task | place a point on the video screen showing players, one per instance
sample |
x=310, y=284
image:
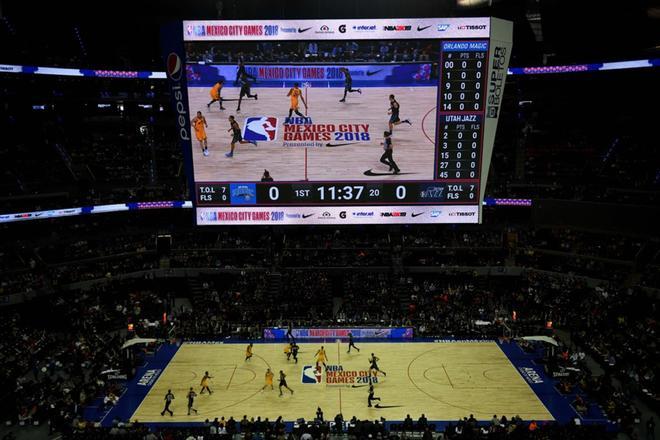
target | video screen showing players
x=313, y=110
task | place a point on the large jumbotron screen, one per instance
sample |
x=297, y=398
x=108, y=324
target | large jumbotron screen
x=339, y=121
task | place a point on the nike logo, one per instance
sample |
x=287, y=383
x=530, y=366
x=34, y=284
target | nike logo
x=378, y=405
x=338, y=145
x=369, y=73
x=372, y=173
x=358, y=386
x=420, y=29
x=303, y=30
x=307, y=215
x=417, y=214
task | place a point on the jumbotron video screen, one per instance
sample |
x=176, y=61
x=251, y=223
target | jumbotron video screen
x=338, y=121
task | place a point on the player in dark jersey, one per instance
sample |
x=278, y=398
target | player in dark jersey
x=373, y=360
x=191, y=400
x=236, y=136
x=245, y=91
x=387, y=158
x=351, y=343
x=294, y=351
x=348, y=84
x=240, y=72
x=371, y=397
x=283, y=383
x=394, y=114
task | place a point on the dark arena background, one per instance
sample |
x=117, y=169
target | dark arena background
x=329, y=220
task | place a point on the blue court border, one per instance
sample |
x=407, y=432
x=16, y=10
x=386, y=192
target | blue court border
x=541, y=384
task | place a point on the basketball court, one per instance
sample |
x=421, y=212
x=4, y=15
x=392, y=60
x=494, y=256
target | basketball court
x=352, y=148
x=443, y=380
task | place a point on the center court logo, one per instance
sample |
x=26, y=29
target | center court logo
x=260, y=128
x=312, y=374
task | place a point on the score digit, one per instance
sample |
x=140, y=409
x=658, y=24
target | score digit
x=273, y=193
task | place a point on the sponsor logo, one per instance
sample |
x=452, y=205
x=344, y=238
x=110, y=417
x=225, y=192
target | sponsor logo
x=174, y=69
x=363, y=214
x=208, y=216
x=373, y=72
x=307, y=215
x=342, y=214
x=432, y=192
x=342, y=28
x=393, y=214
x=530, y=375
x=325, y=29
x=293, y=215
x=365, y=28
x=312, y=374
x=149, y=377
x=243, y=193
x=421, y=28
x=417, y=214
x=435, y=214
x=326, y=216
x=443, y=27
x=289, y=30
x=301, y=30
x=472, y=27
x=462, y=214
x=397, y=28
x=496, y=82
x=338, y=145
x=260, y=128
x=174, y=66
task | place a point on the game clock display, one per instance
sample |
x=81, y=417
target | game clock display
x=326, y=142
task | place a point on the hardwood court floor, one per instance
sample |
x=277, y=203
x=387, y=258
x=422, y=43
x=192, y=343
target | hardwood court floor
x=414, y=148
x=445, y=381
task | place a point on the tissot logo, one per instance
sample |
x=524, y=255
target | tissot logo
x=462, y=214
x=472, y=27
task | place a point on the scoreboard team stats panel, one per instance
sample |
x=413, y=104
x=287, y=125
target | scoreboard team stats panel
x=376, y=121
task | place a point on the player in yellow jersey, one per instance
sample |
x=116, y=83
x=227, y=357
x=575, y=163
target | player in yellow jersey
x=269, y=380
x=321, y=357
x=216, y=94
x=294, y=94
x=205, y=383
x=287, y=351
x=248, y=352
x=200, y=125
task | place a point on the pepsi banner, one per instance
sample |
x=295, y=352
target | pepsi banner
x=332, y=333
x=269, y=75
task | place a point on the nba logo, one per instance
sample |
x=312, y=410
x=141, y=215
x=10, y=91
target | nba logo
x=260, y=128
x=312, y=374
x=209, y=216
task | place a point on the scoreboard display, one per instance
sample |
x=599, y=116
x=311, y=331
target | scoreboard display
x=338, y=139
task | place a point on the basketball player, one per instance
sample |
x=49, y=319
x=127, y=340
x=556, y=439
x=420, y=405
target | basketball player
x=240, y=72
x=394, y=114
x=321, y=357
x=371, y=396
x=387, y=158
x=215, y=93
x=294, y=351
x=248, y=352
x=169, y=397
x=283, y=383
x=351, y=343
x=295, y=93
x=373, y=360
x=289, y=332
x=348, y=84
x=236, y=136
x=287, y=351
x=205, y=383
x=245, y=91
x=199, y=124
x=191, y=400
x=269, y=380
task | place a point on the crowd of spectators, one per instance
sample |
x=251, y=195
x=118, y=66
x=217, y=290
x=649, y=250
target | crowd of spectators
x=315, y=51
